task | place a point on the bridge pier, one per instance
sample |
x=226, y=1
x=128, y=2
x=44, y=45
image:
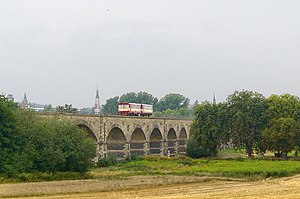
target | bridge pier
x=127, y=150
x=146, y=148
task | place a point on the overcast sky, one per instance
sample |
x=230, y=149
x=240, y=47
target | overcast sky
x=58, y=51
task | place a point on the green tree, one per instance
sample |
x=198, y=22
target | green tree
x=86, y=111
x=75, y=144
x=195, y=150
x=140, y=97
x=172, y=101
x=280, y=136
x=51, y=145
x=129, y=97
x=59, y=109
x=67, y=108
x=29, y=143
x=180, y=113
x=208, y=128
x=283, y=106
x=8, y=136
x=248, y=113
x=111, y=106
x=48, y=108
x=283, y=132
x=146, y=98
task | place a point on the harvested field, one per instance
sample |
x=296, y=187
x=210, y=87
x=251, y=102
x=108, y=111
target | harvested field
x=151, y=187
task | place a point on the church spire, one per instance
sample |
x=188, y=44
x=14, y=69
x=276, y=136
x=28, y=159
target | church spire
x=97, y=93
x=214, y=99
x=97, y=103
x=24, y=103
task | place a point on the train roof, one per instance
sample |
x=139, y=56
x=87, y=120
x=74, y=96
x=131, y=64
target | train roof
x=121, y=103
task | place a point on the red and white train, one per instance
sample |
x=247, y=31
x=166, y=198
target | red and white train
x=134, y=109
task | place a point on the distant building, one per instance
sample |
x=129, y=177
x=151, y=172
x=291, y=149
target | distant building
x=24, y=103
x=36, y=107
x=10, y=97
x=97, y=103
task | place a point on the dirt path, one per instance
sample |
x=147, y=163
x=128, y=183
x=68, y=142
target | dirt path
x=149, y=187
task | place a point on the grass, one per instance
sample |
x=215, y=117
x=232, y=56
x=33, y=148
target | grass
x=229, y=163
x=250, y=169
x=39, y=177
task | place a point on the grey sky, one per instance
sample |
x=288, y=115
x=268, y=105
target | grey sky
x=58, y=51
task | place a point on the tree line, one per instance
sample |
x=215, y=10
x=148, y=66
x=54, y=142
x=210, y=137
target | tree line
x=29, y=143
x=250, y=121
x=171, y=105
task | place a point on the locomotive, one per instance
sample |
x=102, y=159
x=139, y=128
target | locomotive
x=134, y=109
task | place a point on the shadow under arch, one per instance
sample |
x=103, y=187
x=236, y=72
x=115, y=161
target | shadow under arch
x=89, y=132
x=182, y=142
x=116, y=143
x=156, y=142
x=137, y=142
x=172, y=142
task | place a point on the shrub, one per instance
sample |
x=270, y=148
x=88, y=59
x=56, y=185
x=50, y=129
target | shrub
x=194, y=150
x=107, y=161
x=133, y=158
x=155, y=158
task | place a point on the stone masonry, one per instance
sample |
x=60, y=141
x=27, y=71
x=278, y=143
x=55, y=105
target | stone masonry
x=127, y=136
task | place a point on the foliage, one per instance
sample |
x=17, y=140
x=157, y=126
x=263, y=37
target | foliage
x=32, y=144
x=56, y=145
x=107, y=161
x=48, y=108
x=283, y=106
x=128, y=97
x=209, y=129
x=195, y=149
x=251, y=169
x=46, y=176
x=140, y=97
x=172, y=101
x=111, y=106
x=68, y=108
x=180, y=113
x=172, y=105
x=280, y=136
x=248, y=113
x=9, y=137
x=146, y=98
x=87, y=111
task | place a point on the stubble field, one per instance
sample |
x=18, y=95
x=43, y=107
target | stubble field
x=150, y=187
x=157, y=177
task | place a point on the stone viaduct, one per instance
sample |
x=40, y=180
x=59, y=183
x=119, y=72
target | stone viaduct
x=125, y=136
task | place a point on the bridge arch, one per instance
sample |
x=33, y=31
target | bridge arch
x=183, y=136
x=172, y=142
x=116, y=141
x=89, y=132
x=156, y=130
x=88, y=127
x=156, y=142
x=137, y=142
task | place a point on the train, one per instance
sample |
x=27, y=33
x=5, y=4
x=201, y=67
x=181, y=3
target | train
x=134, y=109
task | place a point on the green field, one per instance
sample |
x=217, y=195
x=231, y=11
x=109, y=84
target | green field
x=238, y=167
x=250, y=169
